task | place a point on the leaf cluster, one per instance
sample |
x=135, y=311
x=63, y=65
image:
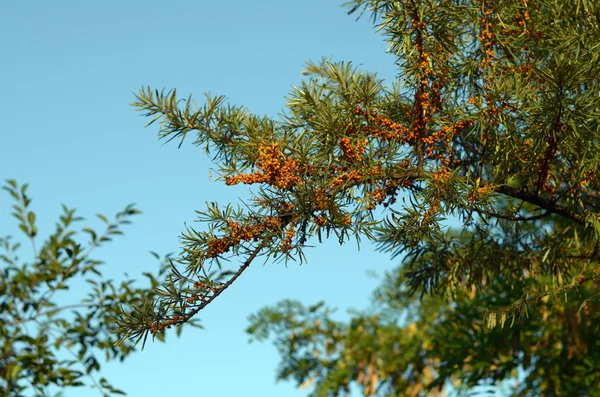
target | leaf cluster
x=49, y=339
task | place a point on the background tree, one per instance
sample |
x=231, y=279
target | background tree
x=49, y=341
x=408, y=345
x=493, y=120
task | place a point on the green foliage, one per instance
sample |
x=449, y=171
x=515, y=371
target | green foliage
x=492, y=120
x=46, y=345
x=413, y=345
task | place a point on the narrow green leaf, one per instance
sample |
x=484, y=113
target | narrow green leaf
x=102, y=218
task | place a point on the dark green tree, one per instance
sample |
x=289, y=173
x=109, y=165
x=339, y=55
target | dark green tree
x=51, y=340
x=493, y=120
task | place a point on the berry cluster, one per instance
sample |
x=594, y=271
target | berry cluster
x=352, y=153
x=383, y=128
x=238, y=233
x=205, y=290
x=173, y=320
x=441, y=176
x=347, y=177
x=486, y=38
x=320, y=201
x=445, y=136
x=385, y=195
x=286, y=243
x=477, y=194
x=274, y=168
x=525, y=24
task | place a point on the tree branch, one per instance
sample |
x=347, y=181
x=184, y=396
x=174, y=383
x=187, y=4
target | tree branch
x=242, y=268
x=416, y=173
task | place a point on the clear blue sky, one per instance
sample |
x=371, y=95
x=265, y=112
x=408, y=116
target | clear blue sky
x=68, y=73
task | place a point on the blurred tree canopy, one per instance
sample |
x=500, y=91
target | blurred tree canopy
x=493, y=120
x=50, y=341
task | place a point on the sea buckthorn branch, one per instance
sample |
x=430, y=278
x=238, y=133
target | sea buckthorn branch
x=154, y=317
x=421, y=96
x=519, y=308
x=194, y=302
x=341, y=131
x=423, y=59
x=548, y=255
x=237, y=230
x=533, y=198
x=232, y=130
x=437, y=144
x=274, y=168
x=206, y=296
x=513, y=215
x=183, y=296
x=489, y=37
x=522, y=24
x=486, y=39
x=383, y=128
x=349, y=179
x=521, y=193
x=270, y=170
x=407, y=176
x=281, y=171
x=551, y=150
